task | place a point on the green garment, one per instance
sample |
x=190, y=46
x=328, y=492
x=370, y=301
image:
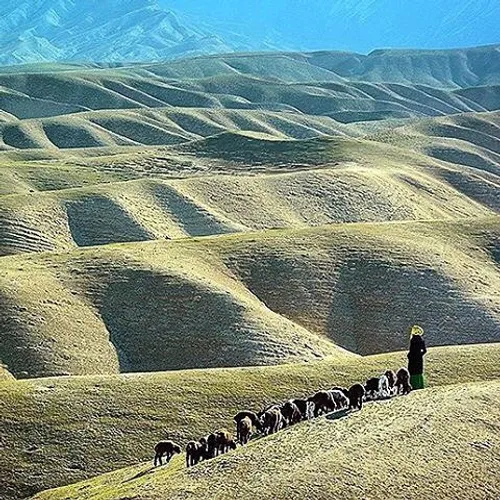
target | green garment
x=417, y=381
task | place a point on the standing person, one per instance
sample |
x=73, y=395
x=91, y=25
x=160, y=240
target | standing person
x=416, y=358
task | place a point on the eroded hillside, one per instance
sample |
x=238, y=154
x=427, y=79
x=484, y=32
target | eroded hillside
x=207, y=217
x=194, y=165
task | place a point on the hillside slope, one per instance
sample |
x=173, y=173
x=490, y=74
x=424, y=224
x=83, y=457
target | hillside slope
x=271, y=83
x=258, y=178
x=255, y=298
x=373, y=453
x=63, y=430
x=379, y=187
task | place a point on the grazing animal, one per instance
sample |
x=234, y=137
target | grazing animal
x=266, y=409
x=403, y=381
x=377, y=387
x=254, y=418
x=291, y=413
x=194, y=453
x=391, y=377
x=372, y=387
x=341, y=389
x=384, y=388
x=223, y=442
x=305, y=407
x=209, y=446
x=244, y=430
x=271, y=421
x=204, y=445
x=323, y=402
x=167, y=449
x=311, y=410
x=356, y=395
x=339, y=398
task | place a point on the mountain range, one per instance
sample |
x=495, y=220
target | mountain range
x=115, y=30
x=155, y=30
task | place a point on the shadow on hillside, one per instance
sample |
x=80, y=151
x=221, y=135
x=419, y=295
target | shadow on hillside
x=375, y=302
x=161, y=322
x=97, y=220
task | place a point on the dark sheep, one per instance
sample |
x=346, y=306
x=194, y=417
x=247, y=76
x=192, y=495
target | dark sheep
x=378, y=387
x=266, y=409
x=251, y=415
x=209, y=446
x=372, y=387
x=403, y=381
x=194, y=453
x=212, y=445
x=223, y=442
x=204, y=445
x=339, y=398
x=323, y=402
x=291, y=413
x=244, y=430
x=271, y=421
x=341, y=389
x=356, y=395
x=305, y=407
x=167, y=449
x=391, y=378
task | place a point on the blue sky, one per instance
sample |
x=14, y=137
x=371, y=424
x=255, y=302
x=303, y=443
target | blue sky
x=359, y=25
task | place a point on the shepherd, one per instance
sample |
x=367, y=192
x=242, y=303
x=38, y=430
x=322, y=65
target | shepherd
x=416, y=357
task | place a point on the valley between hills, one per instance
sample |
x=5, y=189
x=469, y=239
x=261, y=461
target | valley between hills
x=184, y=239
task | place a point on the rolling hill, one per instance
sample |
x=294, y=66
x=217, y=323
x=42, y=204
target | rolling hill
x=302, y=183
x=348, y=452
x=183, y=239
x=301, y=82
x=74, y=428
x=256, y=298
x=96, y=155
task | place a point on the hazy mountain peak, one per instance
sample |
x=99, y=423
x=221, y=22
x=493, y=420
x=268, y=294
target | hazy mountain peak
x=115, y=30
x=153, y=30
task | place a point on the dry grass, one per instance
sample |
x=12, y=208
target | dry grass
x=320, y=182
x=441, y=443
x=61, y=430
x=255, y=298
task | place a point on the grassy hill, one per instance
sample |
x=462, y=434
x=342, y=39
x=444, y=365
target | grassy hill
x=279, y=183
x=158, y=127
x=260, y=83
x=61, y=430
x=182, y=240
x=252, y=298
x=440, y=443
x=454, y=68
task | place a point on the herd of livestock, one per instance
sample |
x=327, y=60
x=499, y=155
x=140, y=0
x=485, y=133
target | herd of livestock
x=279, y=416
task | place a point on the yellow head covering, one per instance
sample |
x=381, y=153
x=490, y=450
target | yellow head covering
x=416, y=330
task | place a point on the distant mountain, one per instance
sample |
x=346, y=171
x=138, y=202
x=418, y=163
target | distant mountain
x=109, y=31
x=106, y=31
